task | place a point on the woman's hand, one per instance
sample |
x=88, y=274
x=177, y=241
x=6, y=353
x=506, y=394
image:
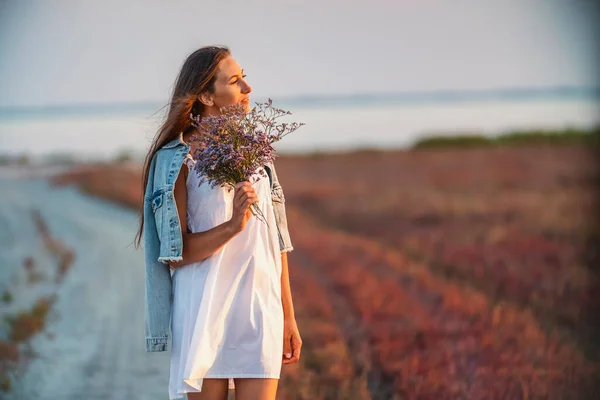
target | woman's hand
x=243, y=197
x=292, y=343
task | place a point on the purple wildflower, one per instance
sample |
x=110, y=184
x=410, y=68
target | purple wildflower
x=234, y=145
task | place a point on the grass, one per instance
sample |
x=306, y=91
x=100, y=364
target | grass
x=26, y=324
x=516, y=138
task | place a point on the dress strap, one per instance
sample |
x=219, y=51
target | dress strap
x=189, y=161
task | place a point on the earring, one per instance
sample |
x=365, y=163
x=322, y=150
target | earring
x=195, y=119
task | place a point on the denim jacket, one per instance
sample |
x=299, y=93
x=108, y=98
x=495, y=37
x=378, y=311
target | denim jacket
x=163, y=240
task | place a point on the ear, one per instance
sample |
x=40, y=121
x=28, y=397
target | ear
x=206, y=99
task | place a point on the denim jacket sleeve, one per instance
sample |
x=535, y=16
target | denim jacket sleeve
x=278, y=198
x=158, y=277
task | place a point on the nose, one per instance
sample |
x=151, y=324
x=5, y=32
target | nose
x=246, y=88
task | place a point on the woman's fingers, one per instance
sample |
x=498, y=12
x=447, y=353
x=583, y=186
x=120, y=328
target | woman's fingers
x=241, y=189
x=242, y=184
x=251, y=195
x=248, y=202
x=293, y=346
x=296, y=350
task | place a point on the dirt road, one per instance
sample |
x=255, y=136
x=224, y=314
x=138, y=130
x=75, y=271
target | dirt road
x=93, y=344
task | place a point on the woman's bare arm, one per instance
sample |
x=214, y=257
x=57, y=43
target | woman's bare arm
x=199, y=245
x=286, y=291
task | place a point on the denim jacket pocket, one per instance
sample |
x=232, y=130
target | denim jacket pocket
x=157, y=202
x=285, y=243
x=277, y=193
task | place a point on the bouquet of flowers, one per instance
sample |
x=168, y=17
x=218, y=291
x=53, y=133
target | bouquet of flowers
x=234, y=145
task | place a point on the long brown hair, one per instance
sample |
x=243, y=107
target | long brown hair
x=197, y=75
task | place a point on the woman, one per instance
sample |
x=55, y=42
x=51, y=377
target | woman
x=231, y=315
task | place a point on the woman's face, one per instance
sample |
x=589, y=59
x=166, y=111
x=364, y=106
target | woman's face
x=231, y=88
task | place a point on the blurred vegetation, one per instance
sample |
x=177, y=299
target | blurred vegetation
x=124, y=156
x=60, y=158
x=516, y=138
x=19, y=159
x=26, y=324
x=7, y=296
x=21, y=327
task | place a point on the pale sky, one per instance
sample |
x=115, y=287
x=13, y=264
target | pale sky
x=66, y=52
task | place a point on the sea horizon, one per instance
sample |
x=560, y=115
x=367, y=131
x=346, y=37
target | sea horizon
x=412, y=98
x=340, y=123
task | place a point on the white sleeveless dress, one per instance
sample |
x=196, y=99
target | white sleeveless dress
x=227, y=315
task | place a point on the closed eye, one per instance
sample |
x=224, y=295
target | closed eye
x=243, y=76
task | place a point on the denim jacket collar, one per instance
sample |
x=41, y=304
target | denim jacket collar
x=175, y=142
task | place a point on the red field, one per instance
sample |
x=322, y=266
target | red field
x=448, y=274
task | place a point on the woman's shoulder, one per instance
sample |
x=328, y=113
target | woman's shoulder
x=188, y=165
x=189, y=161
x=165, y=155
x=167, y=163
